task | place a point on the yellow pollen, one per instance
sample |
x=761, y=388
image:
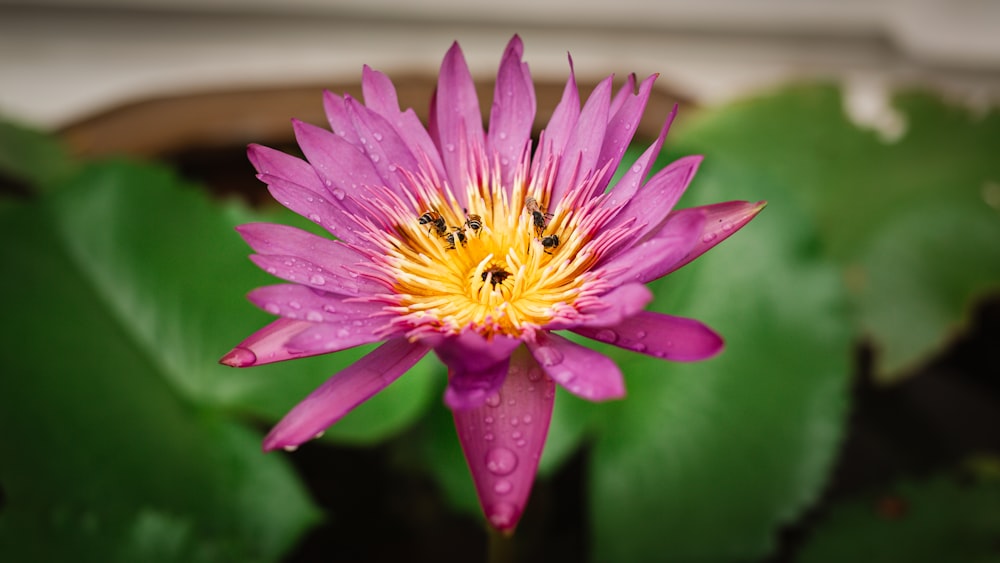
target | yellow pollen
x=493, y=267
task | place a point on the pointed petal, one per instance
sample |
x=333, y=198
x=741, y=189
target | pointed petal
x=385, y=149
x=380, y=96
x=721, y=221
x=458, y=121
x=584, y=145
x=656, y=257
x=622, y=94
x=663, y=336
x=622, y=126
x=476, y=367
x=302, y=257
x=339, y=164
x=634, y=177
x=503, y=440
x=273, y=163
x=267, y=345
x=513, y=111
x=581, y=371
x=654, y=201
x=553, y=140
x=317, y=208
x=344, y=391
x=323, y=338
x=294, y=301
x=337, y=117
x=618, y=304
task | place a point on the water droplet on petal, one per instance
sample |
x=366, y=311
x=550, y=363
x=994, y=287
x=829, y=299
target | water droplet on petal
x=493, y=400
x=727, y=226
x=315, y=218
x=318, y=435
x=502, y=487
x=548, y=356
x=295, y=304
x=272, y=308
x=488, y=420
x=502, y=514
x=310, y=199
x=606, y=335
x=378, y=136
x=392, y=168
x=709, y=237
x=449, y=147
x=343, y=333
x=516, y=435
x=503, y=135
x=329, y=308
x=488, y=437
x=291, y=448
x=640, y=347
x=272, y=270
x=339, y=194
x=514, y=422
x=317, y=279
x=314, y=316
x=640, y=334
x=534, y=374
x=526, y=419
x=375, y=158
x=501, y=461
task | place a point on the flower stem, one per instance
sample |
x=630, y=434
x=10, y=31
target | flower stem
x=501, y=548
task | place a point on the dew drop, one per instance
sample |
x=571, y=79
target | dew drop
x=727, y=226
x=488, y=437
x=534, y=374
x=314, y=316
x=329, y=308
x=709, y=237
x=363, y=140
x=315, y=218
x=392, y=168
x=291, y=448
x=339, y=194
x=514, y=422
x=606, y=335
x=640, y=334
x=493, y=400
x=272, y=270
x=636, y=169
x=526, y=419
x=450, y=147
x=310, y=199
x=501, y=461
x=640, y=347
x=378, y=136
x=521, y=443
x=502, y=514
x=548, y=356
x=516, y=435
x=488, y=420
x=375, y=158
x=343, y=333
x=318, y=435
x=272, y=308
x=502, y=487
x=317, y=279
x=503, y=135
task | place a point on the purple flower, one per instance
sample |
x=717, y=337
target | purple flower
x=480, y=246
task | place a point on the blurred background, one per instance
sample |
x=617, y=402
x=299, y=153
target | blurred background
x=854, y=415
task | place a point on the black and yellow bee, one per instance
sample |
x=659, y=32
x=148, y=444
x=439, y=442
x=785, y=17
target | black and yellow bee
x=550, y=243
x=436, y=222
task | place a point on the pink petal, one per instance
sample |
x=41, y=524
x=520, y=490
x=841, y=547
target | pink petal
x=316, y=207
x=384, y=147
x=663, y=336
x=503, y=440
x=476, y=367
x=344, y=391
x=618, y=304
x=583, y=148
x=654, y=201
x=267, y=345
x=629, y=183
x=721, y=221
x=553, y=140
x=343, y=168
x=273, y=163
x=337, y=117
x=581, y=371
x=656, y=257
x=622, y=126
x=380, y=96
x=294, y=301
x=458, y=123
x=302, y=257
x=622, y=94
x=513, y=111
x=323, y=338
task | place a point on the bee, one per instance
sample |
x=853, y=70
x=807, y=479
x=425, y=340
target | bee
x=435, y=220
x=474, y=222
x=550, y=243
x=455, y=236
x=539, y=219
x=498, y=273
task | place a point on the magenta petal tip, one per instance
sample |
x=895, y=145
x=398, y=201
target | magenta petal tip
x=239, y=357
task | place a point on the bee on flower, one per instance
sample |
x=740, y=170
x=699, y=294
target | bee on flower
x=494, y=309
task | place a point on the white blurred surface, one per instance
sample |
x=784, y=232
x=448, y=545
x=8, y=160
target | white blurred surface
x=61, y=60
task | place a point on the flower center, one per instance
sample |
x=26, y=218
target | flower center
x=495, y=266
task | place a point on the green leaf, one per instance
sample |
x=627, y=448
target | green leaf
x=100, y=458
x=32, y=157
x=165, y=261
x=932, y=520
x=936, y=260
x=704, y=461
x=854, y=186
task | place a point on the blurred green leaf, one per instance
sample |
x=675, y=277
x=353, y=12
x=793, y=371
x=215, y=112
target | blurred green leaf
x=938, y=519
x=704, y=461
x=166, y=262
x=100, y=459
x=32, y=157
x=854, y=186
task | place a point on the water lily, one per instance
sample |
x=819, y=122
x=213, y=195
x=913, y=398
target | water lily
x=482, y=246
